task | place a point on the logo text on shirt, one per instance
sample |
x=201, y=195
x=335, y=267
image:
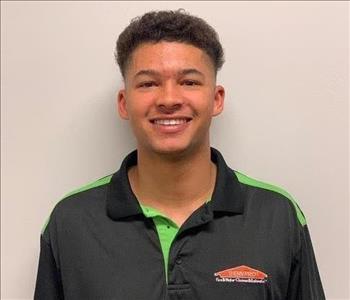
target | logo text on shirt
x=241, y=274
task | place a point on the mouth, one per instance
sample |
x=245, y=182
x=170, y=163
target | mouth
x=170, y=122
x=173, y=125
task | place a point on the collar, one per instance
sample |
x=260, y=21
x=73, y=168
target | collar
x=122, y=202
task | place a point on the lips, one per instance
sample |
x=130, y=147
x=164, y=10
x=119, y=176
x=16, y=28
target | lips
x=170, y=125
x=170, y=121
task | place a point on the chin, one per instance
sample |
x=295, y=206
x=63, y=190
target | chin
x=170, y=150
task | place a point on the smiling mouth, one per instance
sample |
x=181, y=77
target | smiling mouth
x=171, y=122
x=170, y=126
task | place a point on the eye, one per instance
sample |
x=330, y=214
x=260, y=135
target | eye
x=189, y=82
x=147, y=84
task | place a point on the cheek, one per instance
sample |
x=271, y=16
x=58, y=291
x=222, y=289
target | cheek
x=139, y=106
x=206, y=105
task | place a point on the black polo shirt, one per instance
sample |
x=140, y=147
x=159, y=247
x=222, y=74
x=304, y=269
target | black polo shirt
x=250, y=241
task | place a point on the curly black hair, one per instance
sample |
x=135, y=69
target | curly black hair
x=171, y=26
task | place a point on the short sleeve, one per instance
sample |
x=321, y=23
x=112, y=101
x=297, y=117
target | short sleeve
x=305, y=282
x=48, y=283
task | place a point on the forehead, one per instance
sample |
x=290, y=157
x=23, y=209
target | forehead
x=169, y=57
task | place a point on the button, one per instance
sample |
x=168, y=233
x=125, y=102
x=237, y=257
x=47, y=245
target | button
x=178, y=260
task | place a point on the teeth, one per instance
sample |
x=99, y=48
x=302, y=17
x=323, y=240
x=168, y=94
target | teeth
x=170, y=122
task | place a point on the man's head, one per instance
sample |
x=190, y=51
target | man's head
x=171, y=26
x=170, y=93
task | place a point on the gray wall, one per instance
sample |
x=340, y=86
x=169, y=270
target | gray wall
x=285, y=119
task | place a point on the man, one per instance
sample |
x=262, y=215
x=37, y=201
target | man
x=175, y=222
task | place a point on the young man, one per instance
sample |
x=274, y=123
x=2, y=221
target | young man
x=175, y=222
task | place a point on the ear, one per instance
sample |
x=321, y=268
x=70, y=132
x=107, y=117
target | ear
x=219, y=97
x=122, y=106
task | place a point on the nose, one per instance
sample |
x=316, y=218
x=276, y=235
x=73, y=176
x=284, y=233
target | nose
x=169, y=98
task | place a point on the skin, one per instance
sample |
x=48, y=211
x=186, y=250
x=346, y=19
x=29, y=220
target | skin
x=174, y=173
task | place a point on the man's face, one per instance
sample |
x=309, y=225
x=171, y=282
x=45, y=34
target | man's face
x=170, y=97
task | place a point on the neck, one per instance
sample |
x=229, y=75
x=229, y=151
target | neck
x=168, y=183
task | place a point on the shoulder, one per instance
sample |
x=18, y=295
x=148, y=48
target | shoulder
x=269, y=196
x=88, y=197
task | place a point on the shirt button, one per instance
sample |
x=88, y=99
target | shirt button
x=178, y=260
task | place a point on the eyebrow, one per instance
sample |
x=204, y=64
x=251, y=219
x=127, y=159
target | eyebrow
x=155, y=73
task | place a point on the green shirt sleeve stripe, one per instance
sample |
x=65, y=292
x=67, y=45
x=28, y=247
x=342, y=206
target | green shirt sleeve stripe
x=253, y=182
x=99, y=182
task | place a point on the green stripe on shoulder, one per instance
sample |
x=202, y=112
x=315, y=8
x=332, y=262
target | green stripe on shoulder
x=99, y=182
x=253, y=182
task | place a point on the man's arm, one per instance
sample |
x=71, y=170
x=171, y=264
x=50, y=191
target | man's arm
x=48, y=283
x=305, y=282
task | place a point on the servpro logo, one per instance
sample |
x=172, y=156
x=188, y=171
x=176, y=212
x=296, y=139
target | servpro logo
x=241, y=274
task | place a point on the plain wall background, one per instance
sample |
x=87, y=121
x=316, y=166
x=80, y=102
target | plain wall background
x=285, y=119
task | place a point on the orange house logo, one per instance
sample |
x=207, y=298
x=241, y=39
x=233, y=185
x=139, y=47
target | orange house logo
x=241, y=274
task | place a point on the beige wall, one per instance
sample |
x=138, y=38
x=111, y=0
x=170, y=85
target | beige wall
x=285, y=119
